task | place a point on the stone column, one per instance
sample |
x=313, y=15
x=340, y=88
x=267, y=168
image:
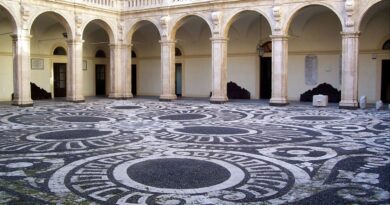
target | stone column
x=116, y=72
x=74, y=71
x=349, y=74
x=21, y=70
x=167, y=70
x=219, y=70
x=279, y=70
x=126, y=70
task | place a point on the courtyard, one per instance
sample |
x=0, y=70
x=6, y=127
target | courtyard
x=142, y=151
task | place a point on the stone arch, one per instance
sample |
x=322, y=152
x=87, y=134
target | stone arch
x=233, y=17
x=366, y=8
x=104, y=25
x=182, y=19
x=11, y=17
x=138, y=24
x=59, y=17
x=295, y=11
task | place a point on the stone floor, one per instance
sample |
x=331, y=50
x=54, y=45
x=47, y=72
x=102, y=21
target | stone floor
x=142, y=151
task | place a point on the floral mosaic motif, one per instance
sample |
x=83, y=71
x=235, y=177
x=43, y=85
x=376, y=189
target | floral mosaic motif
x=143, y=151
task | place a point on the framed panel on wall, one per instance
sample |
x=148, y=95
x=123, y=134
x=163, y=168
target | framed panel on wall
x=37, y=64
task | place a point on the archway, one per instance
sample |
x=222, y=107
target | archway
x=146, y=70
x=96, y=71
x=7, y=28
x=193, y=35
x=374, y=58
x=314, y=60
x=49, y=70
x=247, y=61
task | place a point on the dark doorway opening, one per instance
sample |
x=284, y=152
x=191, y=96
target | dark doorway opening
x=59, y=79
x=134, y=79
x=100, y=79
x=385, y=88
x=178, y=79
x=265, y=77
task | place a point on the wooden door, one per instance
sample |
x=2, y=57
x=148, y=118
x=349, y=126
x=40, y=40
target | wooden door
x=59, y=79
x=100, y=79
x=265, y=77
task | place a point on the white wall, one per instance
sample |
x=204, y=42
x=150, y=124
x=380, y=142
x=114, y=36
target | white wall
x=149, y=75
x=244, y=71
x=197, y=77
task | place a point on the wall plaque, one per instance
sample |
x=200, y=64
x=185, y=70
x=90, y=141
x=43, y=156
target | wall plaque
x=37, y=64
x=311, y=70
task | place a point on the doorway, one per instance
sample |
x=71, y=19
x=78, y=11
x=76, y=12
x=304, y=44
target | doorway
x=178, y=79
x=59, y=79
x=100, y=79
x=265, y=77
x=134, y=79
x=385, y=85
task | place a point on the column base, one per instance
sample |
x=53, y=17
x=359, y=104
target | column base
x=167, y=98
x=75, y=99
x=21, y=103
x=349, y=104
x=128, y=96
x=218, y=100
x=115, y=96
x=278, y=102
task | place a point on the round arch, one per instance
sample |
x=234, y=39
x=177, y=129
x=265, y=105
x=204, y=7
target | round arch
x=366, y=8
x=181, y=20
x=138, y=24
x=104, y=25
x=233, y=17
x=11, y=17
x=293, y=13
x=59, y=17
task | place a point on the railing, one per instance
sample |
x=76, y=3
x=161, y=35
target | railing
x=133, y=4
x=144, y=4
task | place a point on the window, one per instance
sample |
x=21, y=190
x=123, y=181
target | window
x=100, y=54
x=59, y=51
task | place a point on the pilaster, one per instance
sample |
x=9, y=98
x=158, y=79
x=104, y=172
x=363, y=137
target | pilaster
x=219, y=70
x=279, y=70
x=167, y=70
x=21, y=70
x=74, y=73
x=349, y=74
x=116, y=72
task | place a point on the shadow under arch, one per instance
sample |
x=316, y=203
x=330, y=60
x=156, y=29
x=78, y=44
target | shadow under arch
x=57, y=17
x=184, y=19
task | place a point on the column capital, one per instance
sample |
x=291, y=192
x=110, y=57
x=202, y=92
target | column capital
x=165, y=41
x=349, y=34
x=219, y=39
x=279, y=37
x=74, y=41
x=17, y=37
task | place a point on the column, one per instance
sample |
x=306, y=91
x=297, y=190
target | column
x=279, y=70
x=219, y=70
x=116, y=72
x=167, y=70
x=21, y=70
x=349, y=74
x=126, y=70
x=74, y=73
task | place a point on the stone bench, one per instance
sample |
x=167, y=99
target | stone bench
x=320, y=100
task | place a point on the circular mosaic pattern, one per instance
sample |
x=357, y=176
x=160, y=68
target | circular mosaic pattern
x=62, y=118
x=126, y=107
x=309, y=117
x=185, y=175
x=63, y=141
x=240, y=177
x=212, y=130
x=299, y=153
x=251, y=134
x=82, y=119
x=184, y=117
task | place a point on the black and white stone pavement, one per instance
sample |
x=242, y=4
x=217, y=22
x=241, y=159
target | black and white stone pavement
x=143, y=151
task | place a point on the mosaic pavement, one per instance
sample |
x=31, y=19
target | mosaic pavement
x=143, y=151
